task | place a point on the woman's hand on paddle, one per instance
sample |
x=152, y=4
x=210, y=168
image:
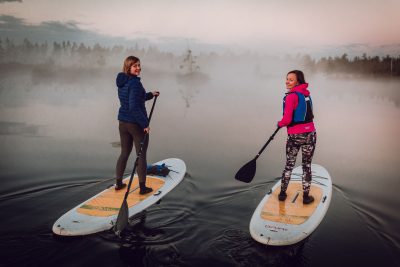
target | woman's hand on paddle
x=155, y=93
x=146, y=130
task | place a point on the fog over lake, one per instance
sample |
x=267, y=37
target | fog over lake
x=59, y=145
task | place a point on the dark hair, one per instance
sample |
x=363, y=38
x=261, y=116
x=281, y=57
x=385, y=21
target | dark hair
x=299, y=76
x=129, y=61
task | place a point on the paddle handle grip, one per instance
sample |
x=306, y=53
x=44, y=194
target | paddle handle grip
x=266, y=144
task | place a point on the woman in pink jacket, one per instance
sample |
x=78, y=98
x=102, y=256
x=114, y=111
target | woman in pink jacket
x=298, y=118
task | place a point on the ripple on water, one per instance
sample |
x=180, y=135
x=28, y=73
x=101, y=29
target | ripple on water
x=239, y=249
x=375, y=214
x=145, y=255
x=141, y=245
x=156, y=226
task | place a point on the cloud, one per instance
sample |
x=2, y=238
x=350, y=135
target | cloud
x=4, y=1
x=18, y=29
x=4, y=19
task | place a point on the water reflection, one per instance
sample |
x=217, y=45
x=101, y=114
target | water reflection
x=190, y=84
x=18, y=128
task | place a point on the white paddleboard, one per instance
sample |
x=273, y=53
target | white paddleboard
x=100, y=212
x=280, y=223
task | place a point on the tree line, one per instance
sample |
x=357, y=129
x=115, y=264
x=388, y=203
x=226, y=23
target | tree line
x=73, y=54
x=78, y=54
x=359, y=65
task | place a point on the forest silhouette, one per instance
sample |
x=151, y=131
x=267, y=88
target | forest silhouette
x=72, y=56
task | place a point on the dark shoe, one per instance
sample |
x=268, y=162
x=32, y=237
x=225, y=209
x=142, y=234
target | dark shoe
x=282, y=196
x=119, y=185
x=307, y=199
x=145, y=190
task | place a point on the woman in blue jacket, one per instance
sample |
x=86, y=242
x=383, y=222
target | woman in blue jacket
x=133, y=120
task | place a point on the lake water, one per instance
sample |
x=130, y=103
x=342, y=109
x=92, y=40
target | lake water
x=56, y=150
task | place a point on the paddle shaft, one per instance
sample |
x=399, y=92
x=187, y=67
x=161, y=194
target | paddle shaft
x=266, y=144
x=140, y=152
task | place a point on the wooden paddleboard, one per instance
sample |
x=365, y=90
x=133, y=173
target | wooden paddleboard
x=100, y=212
x=279, y=223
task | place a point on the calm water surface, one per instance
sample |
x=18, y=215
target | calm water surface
x=56, y=150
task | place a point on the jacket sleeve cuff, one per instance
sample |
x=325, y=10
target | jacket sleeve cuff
x=149, y=96
x=280, y=124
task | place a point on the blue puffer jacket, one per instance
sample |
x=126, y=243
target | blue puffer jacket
x=132, y=97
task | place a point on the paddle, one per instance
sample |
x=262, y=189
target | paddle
x=123, y=214
x=247, y=172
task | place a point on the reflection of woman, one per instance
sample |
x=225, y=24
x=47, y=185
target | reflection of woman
x=298, y=117
x=133, y=120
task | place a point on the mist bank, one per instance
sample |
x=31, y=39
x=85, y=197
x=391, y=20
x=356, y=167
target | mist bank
x=70, y=57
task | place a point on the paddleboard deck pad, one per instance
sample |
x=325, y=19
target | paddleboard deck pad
x=100, y=212
x=280, y=223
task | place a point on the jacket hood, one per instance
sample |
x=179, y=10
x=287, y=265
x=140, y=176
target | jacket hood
x=302, y=88
x=122, y=79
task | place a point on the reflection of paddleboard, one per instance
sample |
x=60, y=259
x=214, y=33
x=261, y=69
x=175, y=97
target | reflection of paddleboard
x=279, y=223
x=100, y=212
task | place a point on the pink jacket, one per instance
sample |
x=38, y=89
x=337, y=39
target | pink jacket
x=290, y=105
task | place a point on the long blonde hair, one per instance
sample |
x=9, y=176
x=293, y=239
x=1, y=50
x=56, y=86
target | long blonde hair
x=129, y=61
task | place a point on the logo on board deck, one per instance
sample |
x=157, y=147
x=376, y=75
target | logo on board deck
x=275, y=228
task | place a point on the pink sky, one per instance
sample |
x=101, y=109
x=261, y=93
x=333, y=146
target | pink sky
x=252, y=23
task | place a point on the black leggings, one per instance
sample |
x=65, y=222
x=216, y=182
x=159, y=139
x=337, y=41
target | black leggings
x=132, y=133
x=307, y=142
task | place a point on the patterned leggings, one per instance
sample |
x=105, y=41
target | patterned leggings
x=305, y=141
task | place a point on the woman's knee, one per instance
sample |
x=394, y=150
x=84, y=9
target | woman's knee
x=124, y=156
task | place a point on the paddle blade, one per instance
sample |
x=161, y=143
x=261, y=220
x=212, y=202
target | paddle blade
x=247, y=172
x=122, y=219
